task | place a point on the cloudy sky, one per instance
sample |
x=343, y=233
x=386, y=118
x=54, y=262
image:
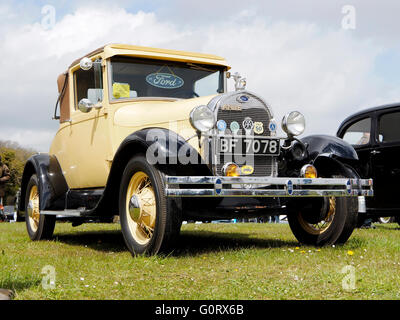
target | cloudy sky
x=308, y=55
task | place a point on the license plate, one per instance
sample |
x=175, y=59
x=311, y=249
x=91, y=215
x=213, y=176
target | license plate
x=255, y=146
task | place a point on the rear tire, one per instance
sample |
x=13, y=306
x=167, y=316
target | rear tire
x=150, y=222
x=39, y=226
x=385, y=220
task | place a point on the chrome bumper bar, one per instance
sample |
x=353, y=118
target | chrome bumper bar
x=267, y=187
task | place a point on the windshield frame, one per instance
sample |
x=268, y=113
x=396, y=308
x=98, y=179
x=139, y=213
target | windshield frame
x=112, y=100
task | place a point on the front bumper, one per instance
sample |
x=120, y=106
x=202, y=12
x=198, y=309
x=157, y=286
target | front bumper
x=266, y=187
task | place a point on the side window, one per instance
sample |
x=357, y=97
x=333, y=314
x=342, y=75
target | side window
x=89, y=84
x=389, y=128
x=359, y=133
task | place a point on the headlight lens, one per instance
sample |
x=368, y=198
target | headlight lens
x=294, y=123
x=202, y=119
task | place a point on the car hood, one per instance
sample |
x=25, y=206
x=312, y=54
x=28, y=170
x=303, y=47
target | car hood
x=151, y=113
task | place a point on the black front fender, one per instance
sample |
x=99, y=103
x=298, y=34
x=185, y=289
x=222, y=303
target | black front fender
x=53, y=187
x=166, y=146
x=329, y=146
x=162, y=146
x=331, y=155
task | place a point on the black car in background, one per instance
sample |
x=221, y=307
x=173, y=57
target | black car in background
x=375, y=135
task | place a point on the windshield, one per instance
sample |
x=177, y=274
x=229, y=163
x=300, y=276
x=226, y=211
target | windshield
x=136, y=78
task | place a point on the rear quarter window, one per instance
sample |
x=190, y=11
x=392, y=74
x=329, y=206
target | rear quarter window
x=389, y=127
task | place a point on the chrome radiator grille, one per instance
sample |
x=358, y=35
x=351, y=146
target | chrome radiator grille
x=263, y=165
x=256, y=114
x=236, y=107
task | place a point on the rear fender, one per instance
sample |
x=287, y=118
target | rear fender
x=53, y=187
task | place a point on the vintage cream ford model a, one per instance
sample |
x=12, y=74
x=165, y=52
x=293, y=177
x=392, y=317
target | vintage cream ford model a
x=153, y=136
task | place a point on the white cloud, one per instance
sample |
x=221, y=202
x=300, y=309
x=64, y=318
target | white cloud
x=36, y=139
x=326, y=74
x=32, y=58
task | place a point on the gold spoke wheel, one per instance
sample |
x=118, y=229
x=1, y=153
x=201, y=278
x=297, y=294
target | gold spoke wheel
x=385, y=219
x=33, y=208
x=142, y=219
x=322, y=226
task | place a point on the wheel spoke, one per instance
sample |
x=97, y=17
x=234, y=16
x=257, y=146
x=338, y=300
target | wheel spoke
x=323, y=225
x=34, y=214
x=142, y=227
x=146, y=230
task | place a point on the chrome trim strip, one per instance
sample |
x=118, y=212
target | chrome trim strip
x=64, y=213
x=287, y=187
x=265, y=193
x=267, y=181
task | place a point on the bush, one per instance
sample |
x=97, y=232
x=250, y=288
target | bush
x=15, y=157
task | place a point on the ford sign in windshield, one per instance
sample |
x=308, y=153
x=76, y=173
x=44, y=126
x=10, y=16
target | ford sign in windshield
x=135, y=78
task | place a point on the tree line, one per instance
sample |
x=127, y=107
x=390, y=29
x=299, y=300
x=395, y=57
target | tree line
x=15, y=157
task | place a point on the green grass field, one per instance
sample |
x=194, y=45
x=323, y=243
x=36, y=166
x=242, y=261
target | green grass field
x=213, y=261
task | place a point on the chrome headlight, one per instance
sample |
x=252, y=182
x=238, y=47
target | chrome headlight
x=294, y=123
x=202, y=119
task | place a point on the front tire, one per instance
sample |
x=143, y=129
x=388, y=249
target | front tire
x=335, y=227
x=39, y=226
x=150, y=222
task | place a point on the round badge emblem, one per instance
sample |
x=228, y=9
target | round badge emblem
x=221, y=125
x=248, y=124
x=258, y=128
x=243, y=99
x=272, y=126
x=247, y=170
x=235, y=127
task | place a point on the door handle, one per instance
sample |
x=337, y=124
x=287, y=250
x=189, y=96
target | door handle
x=375, y=152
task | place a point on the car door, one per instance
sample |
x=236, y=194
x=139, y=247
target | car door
x=89, y=143
x=359, y=132
x=385, y=159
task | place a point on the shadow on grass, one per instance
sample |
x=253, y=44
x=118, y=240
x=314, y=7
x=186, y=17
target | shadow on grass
x=190, y=243
x=19, y=283
x=106, y=241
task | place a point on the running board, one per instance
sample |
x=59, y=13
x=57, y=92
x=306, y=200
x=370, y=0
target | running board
x=65, y=213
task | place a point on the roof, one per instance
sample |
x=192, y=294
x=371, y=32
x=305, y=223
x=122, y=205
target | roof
x=370, y=110
x=155, y=53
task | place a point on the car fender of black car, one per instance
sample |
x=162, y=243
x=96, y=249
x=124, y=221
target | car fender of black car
x=331, y=155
